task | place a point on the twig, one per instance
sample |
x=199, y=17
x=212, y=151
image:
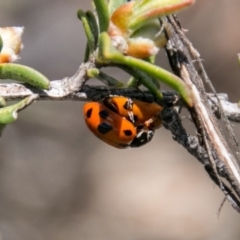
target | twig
x=172, y=122
x=207, y=125
x=18, y=91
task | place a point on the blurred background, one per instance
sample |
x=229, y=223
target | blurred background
x=58, y=181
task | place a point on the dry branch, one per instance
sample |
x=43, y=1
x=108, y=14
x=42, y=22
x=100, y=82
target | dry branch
x=222, y=162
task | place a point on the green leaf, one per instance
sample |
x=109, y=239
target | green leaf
x=10, y=113
x=146, y=10
x=88, y=31
x=106, y=79
x=103, y=14
x=94, y=26
x=24, y=74
x=2, y=102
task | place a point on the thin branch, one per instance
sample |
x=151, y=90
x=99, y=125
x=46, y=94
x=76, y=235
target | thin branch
x=58, y=91
x=210, y=133
x=232, y=110
x=17, y=91
x=172, y=122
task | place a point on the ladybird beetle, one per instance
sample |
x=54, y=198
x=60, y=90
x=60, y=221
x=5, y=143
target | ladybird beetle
x=108, y=125
x=136, y=111
x=122, y=122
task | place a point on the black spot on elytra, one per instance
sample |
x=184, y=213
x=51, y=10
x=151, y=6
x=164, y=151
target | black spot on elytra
x=103, y=114
x=89, y=113
x=104, y=128
x=128, y=132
